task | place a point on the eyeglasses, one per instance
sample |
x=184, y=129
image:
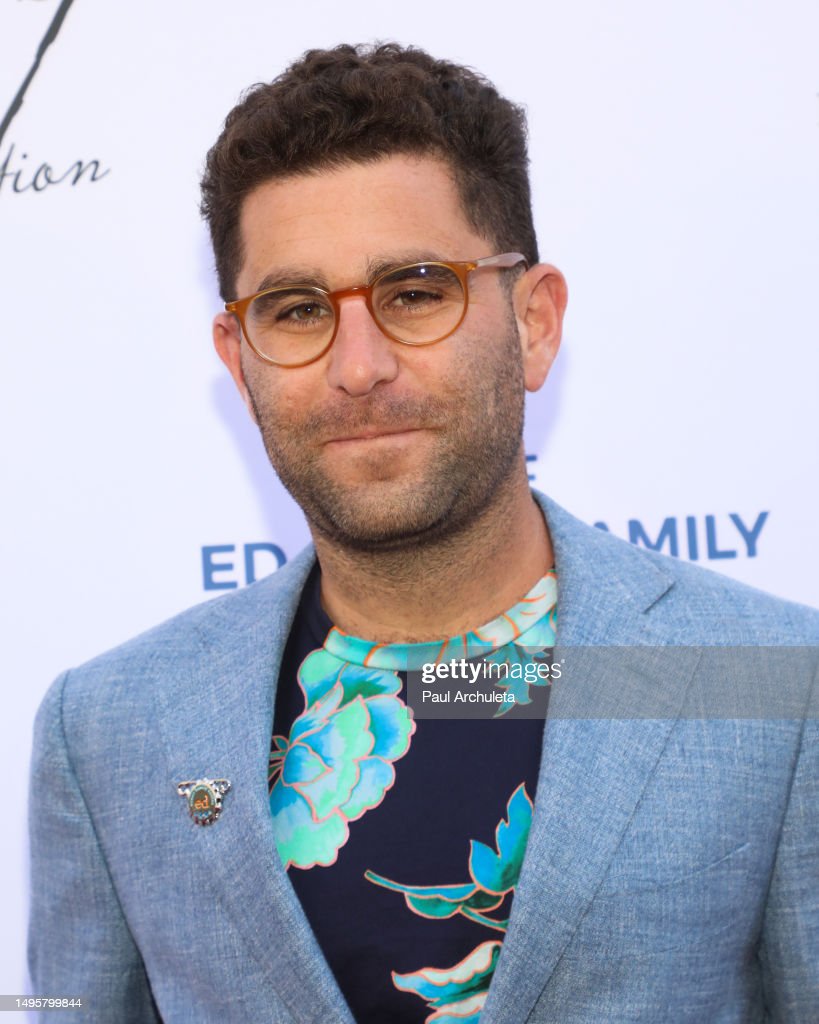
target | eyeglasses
x=417, y=304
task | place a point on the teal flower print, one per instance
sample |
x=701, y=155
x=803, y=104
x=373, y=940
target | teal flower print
x=535, y=627
x=493, y=873
x=337, y=762
x=458, y=993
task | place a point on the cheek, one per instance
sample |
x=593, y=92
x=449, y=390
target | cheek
x=490, y=352
x=276, y=394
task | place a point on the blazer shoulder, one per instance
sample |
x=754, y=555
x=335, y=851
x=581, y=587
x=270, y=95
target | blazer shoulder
x=712, y=608
x=682, y=603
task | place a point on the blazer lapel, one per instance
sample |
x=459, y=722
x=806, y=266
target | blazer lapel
x=598, y=753
x=216, y=722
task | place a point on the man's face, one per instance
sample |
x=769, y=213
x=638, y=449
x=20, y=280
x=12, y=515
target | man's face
x=381, y=444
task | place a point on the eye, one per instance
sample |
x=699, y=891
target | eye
x=414, y=297
x=289, y=309
x=304, y=312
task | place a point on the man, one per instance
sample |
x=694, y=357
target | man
x=237, y=816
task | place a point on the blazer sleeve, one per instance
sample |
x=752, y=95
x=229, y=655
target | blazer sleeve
x=79, y=941
x=789, y=949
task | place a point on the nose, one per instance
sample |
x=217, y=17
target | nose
x=361, y=356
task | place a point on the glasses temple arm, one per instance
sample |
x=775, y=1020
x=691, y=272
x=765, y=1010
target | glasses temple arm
x=505, y=259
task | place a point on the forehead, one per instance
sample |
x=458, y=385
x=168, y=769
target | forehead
x=333, y=223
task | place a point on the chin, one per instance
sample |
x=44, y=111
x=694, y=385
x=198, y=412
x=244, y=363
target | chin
x=384, y=520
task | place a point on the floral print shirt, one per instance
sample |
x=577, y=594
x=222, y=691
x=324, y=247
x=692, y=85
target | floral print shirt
x=404, y=838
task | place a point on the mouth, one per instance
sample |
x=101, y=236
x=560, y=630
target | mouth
x=375, y=434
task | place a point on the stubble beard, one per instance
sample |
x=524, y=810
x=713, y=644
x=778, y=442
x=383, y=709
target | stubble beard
x=476, y=440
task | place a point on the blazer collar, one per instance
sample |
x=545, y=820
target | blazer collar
x=609, y=720
x=216, y=720
x=605, y=585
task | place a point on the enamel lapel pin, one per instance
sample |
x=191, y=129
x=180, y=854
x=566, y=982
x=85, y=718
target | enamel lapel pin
x=204, y=798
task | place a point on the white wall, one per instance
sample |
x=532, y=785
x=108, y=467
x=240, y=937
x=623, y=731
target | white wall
x=675, y=157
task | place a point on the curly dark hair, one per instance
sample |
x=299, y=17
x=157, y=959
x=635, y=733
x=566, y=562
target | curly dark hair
x=361, y=103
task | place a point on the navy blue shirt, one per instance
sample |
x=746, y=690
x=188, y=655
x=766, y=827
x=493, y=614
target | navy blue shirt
x=374, y=814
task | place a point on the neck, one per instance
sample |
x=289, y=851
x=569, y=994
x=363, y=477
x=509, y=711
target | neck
x=440, y=589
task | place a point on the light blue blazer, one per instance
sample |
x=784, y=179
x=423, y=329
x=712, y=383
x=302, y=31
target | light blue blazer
x=672, y=870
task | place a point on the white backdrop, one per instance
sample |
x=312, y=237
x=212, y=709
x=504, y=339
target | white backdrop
x=675, y=160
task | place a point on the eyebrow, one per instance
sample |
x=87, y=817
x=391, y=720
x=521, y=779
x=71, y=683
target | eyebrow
x=314, y=278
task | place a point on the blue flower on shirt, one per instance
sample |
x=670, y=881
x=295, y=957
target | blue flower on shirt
x=457, y=994
x=337, y=762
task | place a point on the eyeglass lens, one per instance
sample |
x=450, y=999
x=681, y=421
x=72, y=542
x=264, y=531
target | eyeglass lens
x=416, y=305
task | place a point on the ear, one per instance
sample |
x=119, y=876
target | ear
x=227, y=339
x=540, y=302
